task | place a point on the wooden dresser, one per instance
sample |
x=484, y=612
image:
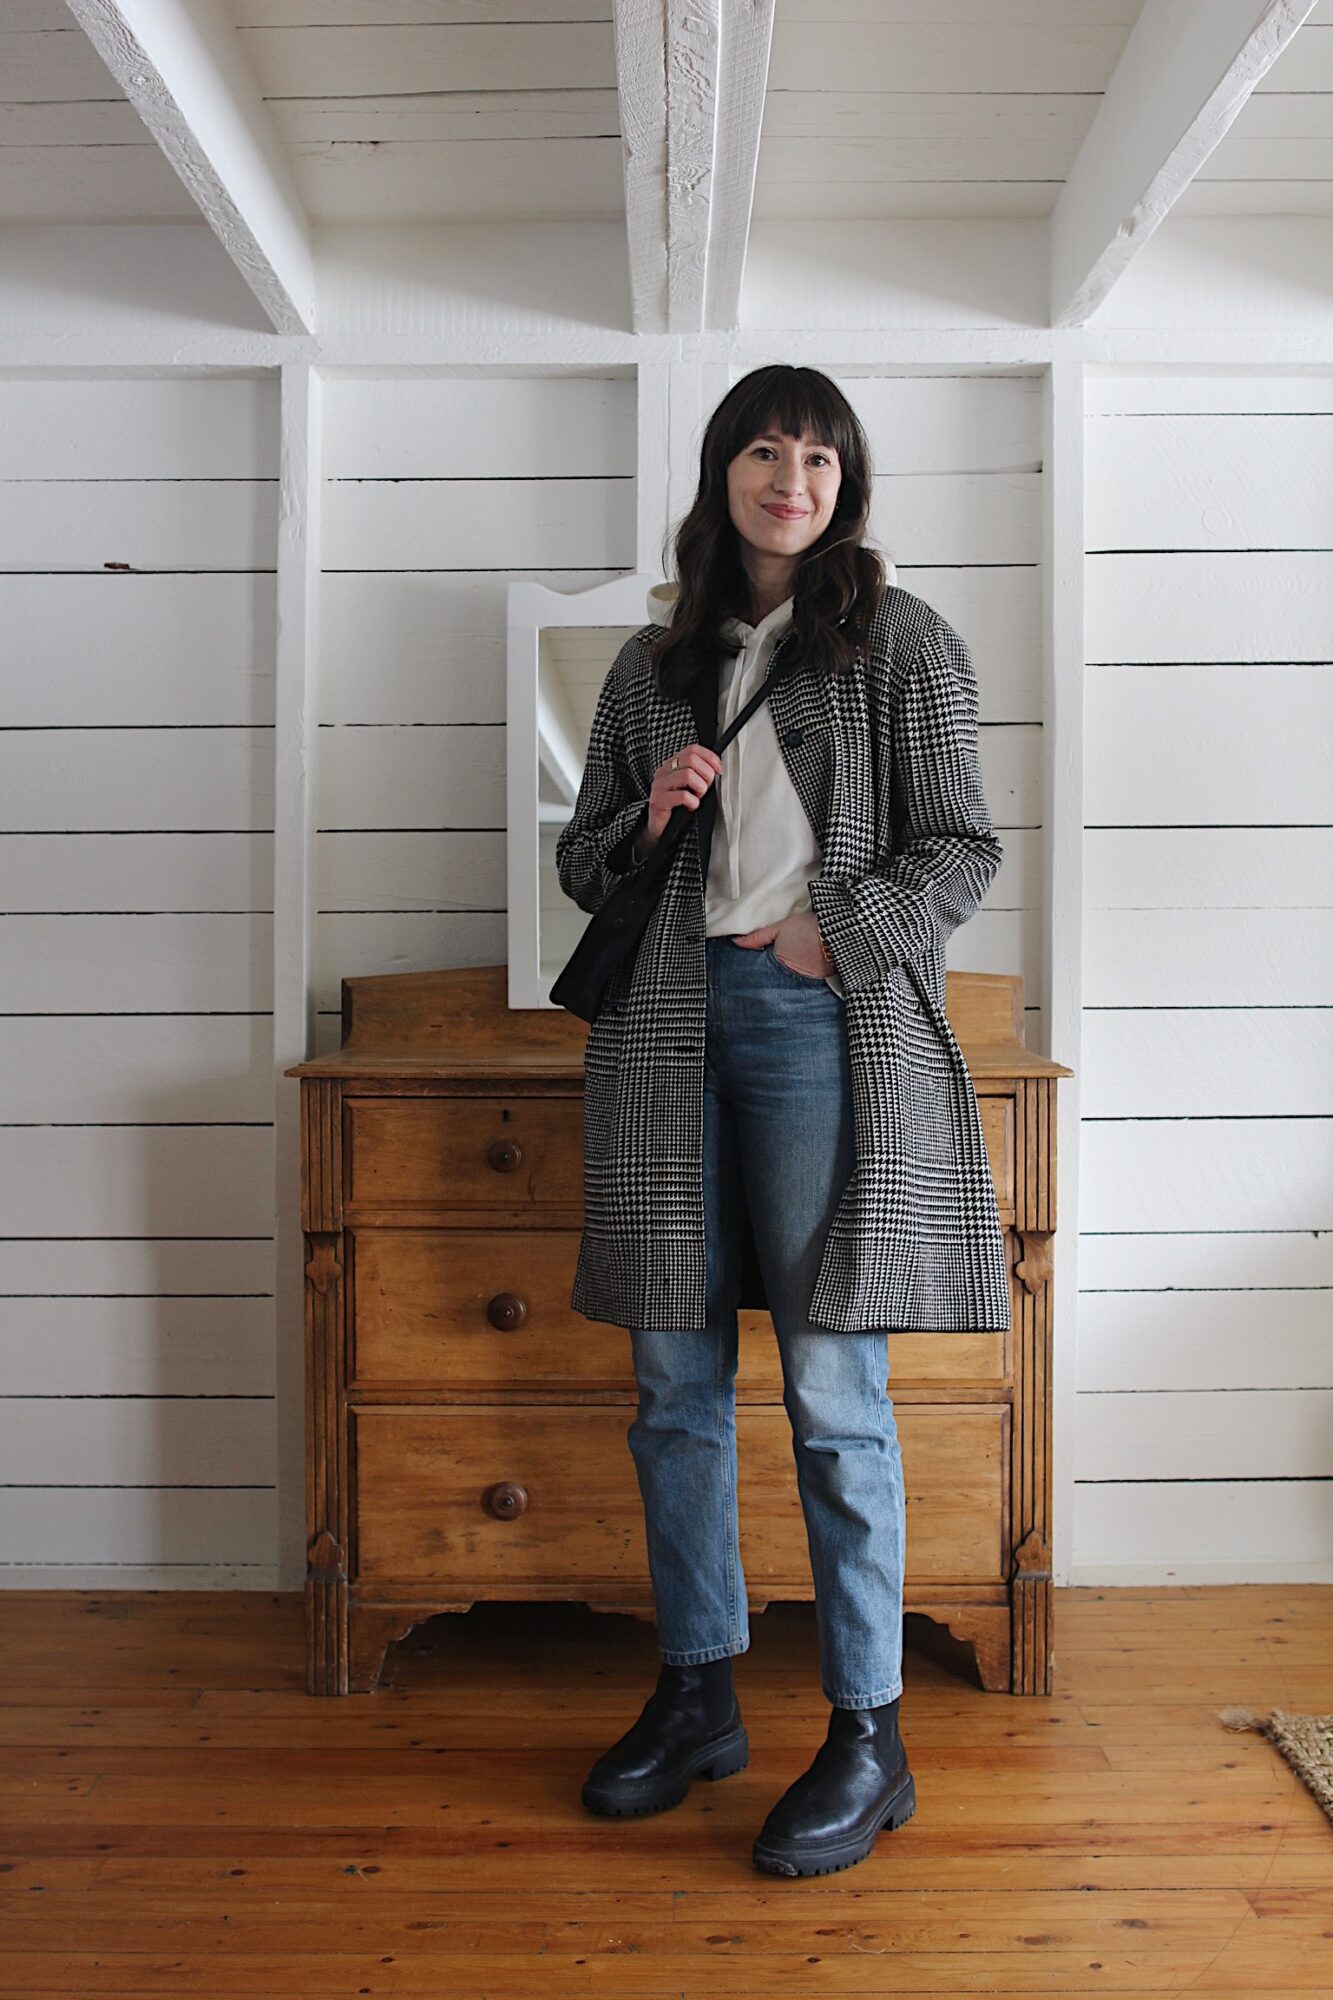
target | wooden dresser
x=465, y=1430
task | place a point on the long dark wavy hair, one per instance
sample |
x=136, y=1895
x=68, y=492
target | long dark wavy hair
x=839, y=579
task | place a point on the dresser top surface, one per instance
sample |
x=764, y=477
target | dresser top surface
x=458, y=1023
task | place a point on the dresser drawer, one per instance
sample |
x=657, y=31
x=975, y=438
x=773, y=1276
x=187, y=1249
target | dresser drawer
x=469, y=1310
x=465, y=1153
x=491, y=1499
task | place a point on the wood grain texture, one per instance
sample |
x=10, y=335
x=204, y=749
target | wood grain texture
x=182, y=1819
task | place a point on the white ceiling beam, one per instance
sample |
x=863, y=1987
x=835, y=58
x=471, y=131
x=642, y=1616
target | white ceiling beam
x=1184, y=74
x=183, y=70
x=692, y=76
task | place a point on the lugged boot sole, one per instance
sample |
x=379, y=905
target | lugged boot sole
x=631, y=1800
x=828, y=1860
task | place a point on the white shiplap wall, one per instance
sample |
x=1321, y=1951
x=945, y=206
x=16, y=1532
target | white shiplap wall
x=137, y=541
x=1204, y=1431
x=438, y=490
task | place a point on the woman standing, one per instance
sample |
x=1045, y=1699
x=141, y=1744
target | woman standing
x=776, y=1110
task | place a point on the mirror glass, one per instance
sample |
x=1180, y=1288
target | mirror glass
x=572, y=663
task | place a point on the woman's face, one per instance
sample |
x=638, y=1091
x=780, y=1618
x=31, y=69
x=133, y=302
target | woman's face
x=781, y=491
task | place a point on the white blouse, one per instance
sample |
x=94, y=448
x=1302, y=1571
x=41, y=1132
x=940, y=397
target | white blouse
x=764, y=853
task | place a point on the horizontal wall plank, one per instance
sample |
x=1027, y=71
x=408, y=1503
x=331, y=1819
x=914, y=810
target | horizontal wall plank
x=137, y=1181
x=1206, y=1173
x=144, y=1267
x=398, y=776
x=421, y=870
x=1205, y=1434
x=1204, y=1340
x=469, y=426
x=1189, y=1062
x=1207, y=958
x=1244, y=605
x=127, y=1527
x=143, y=965
x=136, y=1347
x=87, y=650
x=1167, y=1532
x=468, y=524
x=1208, y=481
x=1208, y=745
x=177, y=872
x=62, y=780
x=1212, y=867
x=956, y=423
x=127, y=428
x=416, y=647
x=1113, y=391
x=138, y=1441
x=150, y=1070
x=1189, y=1260
x=167, y=524
x=956, y=518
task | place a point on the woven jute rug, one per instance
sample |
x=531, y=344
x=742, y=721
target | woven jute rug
x=1306, y=1741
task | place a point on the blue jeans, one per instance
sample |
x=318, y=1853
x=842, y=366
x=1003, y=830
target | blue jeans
x=777, y=1118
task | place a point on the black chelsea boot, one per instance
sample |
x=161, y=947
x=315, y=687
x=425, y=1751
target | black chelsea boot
x=858, y=1783
x=690, y=1728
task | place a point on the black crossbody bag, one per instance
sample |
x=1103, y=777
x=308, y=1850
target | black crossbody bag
x=615, y=929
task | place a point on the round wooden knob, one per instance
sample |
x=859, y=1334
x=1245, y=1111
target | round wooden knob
x=506, y=1311
x=506, y=1500
x=504, y=1155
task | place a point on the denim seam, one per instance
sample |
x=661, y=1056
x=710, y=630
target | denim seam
x=864, y=1700
x=731, y=1501
x=698, y=1655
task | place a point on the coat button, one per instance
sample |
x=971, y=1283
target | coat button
x=794, y=738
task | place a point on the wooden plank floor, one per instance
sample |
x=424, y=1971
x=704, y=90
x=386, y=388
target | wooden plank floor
x=179, y=1817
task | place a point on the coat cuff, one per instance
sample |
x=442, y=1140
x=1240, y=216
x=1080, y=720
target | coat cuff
x=621, y=859
x=607, y=858
x=845, y=937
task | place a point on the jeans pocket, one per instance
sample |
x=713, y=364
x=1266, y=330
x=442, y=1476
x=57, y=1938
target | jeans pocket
x=794, y=972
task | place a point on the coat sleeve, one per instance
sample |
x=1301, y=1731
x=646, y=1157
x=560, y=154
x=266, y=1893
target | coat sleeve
x=945, y=853
x=593, y=850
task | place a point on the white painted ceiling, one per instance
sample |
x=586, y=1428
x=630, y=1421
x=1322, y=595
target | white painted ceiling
x=421, y=110
x=71, y=148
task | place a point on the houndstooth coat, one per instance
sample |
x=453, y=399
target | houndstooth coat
x=884, y=762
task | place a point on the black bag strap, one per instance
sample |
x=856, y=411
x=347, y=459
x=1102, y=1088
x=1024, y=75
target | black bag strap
x=655, y=864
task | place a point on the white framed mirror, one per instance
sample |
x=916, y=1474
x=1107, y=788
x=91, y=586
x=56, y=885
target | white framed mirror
x=560, y=646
